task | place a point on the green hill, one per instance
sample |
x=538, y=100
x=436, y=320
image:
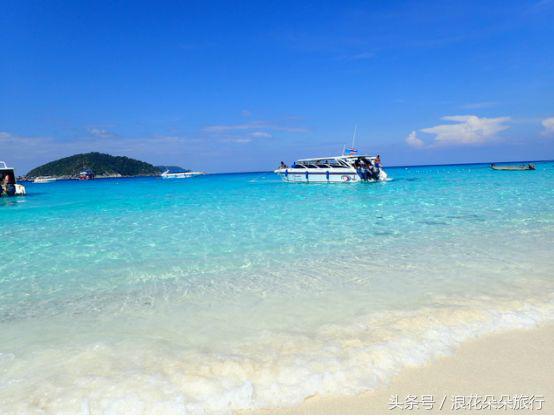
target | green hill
x=100, y=163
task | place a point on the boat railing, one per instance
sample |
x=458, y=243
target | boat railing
x=3, y=165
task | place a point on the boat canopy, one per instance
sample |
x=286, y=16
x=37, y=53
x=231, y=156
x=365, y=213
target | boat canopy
x=336, y=158
x=332, y=161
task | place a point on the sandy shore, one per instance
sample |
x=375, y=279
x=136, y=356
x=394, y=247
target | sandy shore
x=518, y=364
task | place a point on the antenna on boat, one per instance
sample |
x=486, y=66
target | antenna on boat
x=351, y=149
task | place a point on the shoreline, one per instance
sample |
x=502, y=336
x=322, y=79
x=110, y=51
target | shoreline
x=518, y=363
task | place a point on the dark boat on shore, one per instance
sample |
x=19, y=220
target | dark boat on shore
x=529, y=166
x=86, y=175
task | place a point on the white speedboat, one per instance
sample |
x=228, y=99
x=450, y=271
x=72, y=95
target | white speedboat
x=344, y=168
x=44, y=179
x=8, y=185
x=180, y=175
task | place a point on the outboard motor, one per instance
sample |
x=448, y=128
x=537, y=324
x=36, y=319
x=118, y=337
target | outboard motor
x=360, y=170
x=374, y=172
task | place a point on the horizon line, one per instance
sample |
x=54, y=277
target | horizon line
x=404, y=166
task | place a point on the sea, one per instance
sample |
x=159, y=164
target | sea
x=239, y=291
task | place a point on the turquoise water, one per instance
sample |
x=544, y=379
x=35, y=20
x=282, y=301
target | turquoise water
x=239, y=291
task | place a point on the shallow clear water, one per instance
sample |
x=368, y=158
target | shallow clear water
x=239, y=291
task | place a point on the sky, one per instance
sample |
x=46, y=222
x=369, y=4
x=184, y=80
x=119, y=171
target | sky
x=239, y=86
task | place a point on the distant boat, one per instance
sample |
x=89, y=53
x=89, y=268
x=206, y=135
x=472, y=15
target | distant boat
x=9, y=187
x=529, y=166
x=180, y=175
x=86, y=175
x=44, y=179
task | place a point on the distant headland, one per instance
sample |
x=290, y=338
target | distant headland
x=102, y=164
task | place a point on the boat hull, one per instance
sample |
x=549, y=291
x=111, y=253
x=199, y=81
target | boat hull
x=513, y=167
x=180, y=175
x=20, y=189
x=325, y=176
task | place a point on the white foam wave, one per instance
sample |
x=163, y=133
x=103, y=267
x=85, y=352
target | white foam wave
x=159, y=375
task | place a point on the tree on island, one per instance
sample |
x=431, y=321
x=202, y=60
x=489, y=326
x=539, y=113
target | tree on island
x=100, y=163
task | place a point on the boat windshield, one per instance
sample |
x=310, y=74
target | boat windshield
x=321, y=163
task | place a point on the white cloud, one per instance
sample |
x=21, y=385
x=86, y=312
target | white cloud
x=467, y=129
x=481, y=104
x=261, y=134
x=254, y=125
x=223, y=128
x=239, y=140
x=238, y=133
x=99, y=132
x=413, y=141
x=5, y=135
x=548, y=124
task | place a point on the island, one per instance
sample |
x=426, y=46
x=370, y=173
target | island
x=103, y=165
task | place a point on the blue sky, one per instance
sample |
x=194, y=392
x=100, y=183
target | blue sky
x=239, y=86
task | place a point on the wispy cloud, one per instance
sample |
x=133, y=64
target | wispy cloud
x=100, y=132
x=548, y=124
x=30, y=151
x=238, y=139
x=413, y=141
x=254, y=125
x=222, y=128
x=249, y=137
x=250, y=131
x=478, y=105
x=261, y=135
x=253, y=130
x=467, y=129
x=360, y=56
x=540, y=6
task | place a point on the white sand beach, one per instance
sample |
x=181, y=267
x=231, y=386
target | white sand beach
x=519, y=364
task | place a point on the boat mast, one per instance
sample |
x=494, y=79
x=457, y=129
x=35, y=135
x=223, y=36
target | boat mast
x=353, y=139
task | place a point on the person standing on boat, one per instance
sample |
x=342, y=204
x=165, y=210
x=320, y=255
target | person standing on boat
x=7, y=185
x=283, y=165
x=378, y=161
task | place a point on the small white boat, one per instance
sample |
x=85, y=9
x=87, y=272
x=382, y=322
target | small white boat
x=180, y=175
x=44, y=179
x=529, y=166
x=344, y=168
x=8, y=185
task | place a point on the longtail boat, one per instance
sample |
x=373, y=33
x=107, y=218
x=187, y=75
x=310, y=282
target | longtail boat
x=529, y=166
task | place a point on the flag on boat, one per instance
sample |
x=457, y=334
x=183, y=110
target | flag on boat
x=350, y=151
